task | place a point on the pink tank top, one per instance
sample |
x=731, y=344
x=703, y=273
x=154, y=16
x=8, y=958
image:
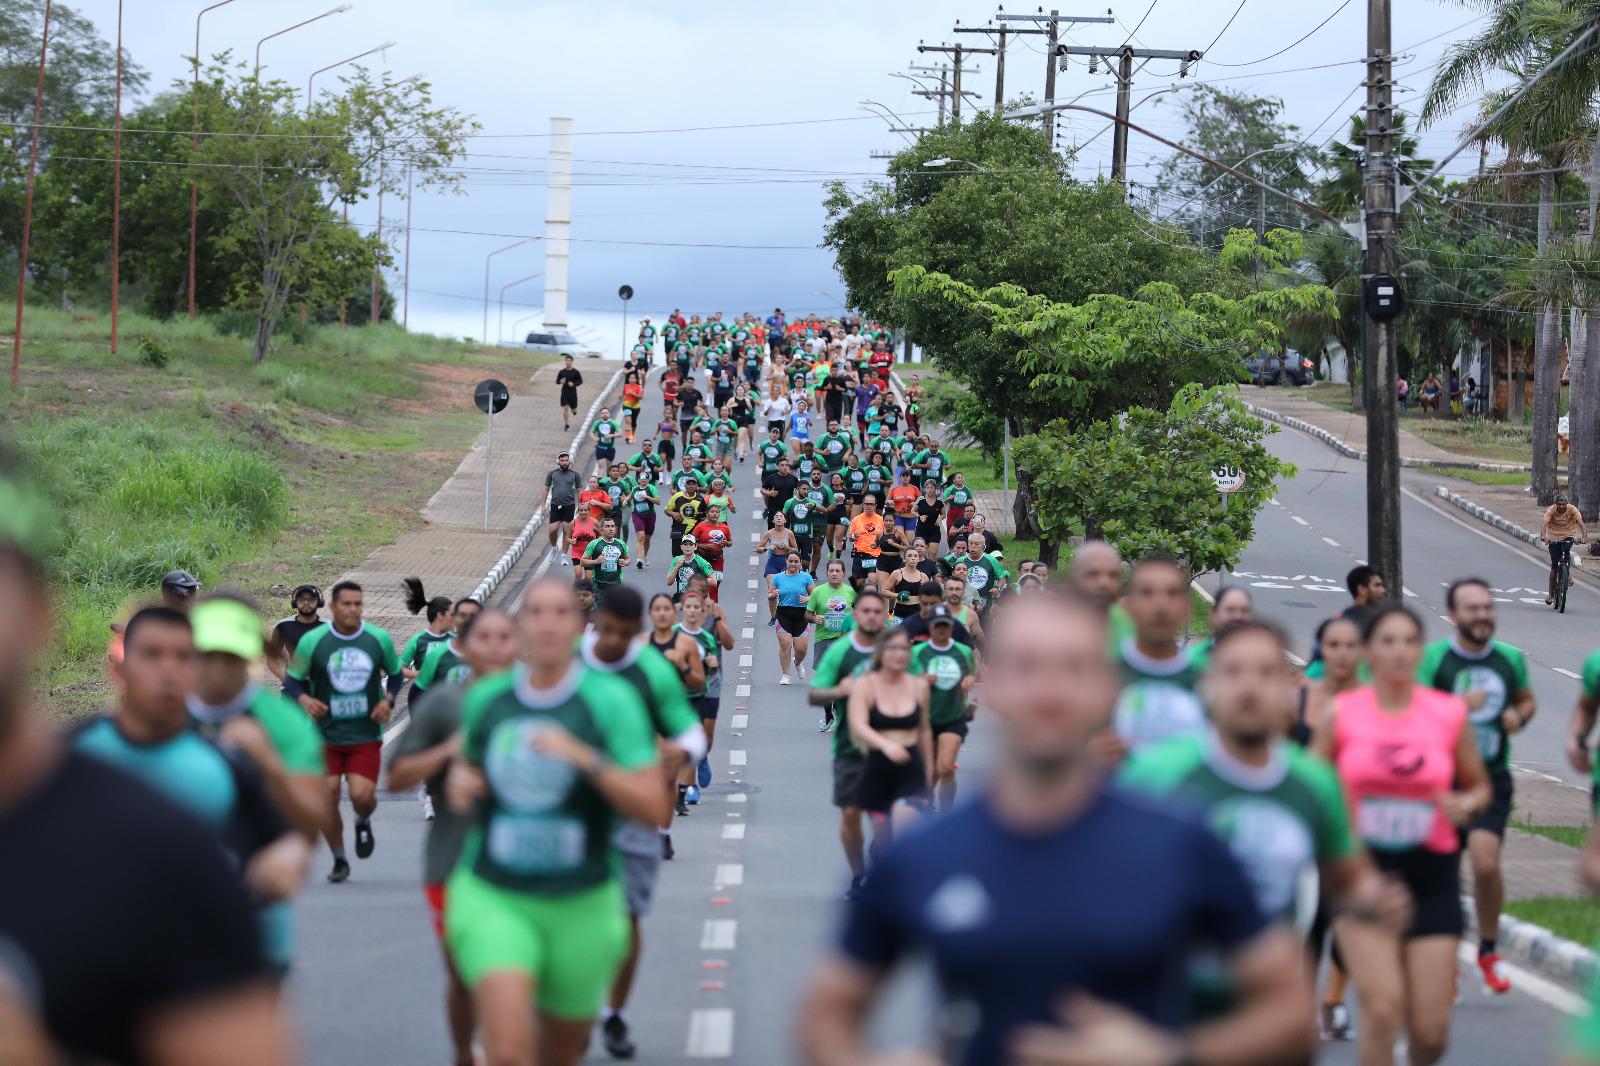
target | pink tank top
x=1392, y=766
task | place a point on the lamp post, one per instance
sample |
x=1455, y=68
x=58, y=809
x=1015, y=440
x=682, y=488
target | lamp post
x=500, y=330
x=487, y=260
x=311, y=81
x=116, y=188
x=194, y=143
x=27, y=211
x=341, y=9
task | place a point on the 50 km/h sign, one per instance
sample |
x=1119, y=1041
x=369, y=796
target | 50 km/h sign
x=1228, y=479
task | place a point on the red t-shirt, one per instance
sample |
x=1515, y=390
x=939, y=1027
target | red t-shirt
x=712, y=539
x=904, y=498
x=584, y=530
x=599, y=501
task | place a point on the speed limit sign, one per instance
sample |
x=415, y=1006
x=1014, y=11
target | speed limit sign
x=1228, y=479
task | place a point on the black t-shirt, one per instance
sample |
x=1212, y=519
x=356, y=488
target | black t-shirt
x=118, y=906
x=569, y=379
x=916, y=628
x=689, y=398
x=785, y=484
x=290, y=630
x=928, y=514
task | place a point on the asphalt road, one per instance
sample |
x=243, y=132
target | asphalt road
x=754, y=892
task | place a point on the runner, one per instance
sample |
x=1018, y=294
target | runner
x=568, y=378
x=775, y=409
x=903, y=584
x=606, y=557
x=712, y=536
x=337, y=677
x=485, y=645
x=604, y=432
x=995, y=899
x=1492, y=679
x=585, y=528
x=643, y=499
x=686, y=507
x=955, y=595
x=1158, y=699
x=777, y=489
x=903, y=499
x=1096, y=575
x=1405, y=810
x=684, y=567
x=615, y=647
x=865, y=533
x=951, y=668
x=830, y=689
x=1231, y=606
x=444, y=661
x=632, y=400
x=560, y=498
x=986, y=577
x=888, y=716
x=704, y=621
x=306, y=601
x=930, y=508
x=647, y=463
x=788, y=593
x=918, y=626
x=440, y=628
x=552, y=755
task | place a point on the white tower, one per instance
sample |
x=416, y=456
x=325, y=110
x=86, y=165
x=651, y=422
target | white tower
x=558, y=224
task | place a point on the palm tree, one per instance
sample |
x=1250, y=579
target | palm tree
x=1521, y=39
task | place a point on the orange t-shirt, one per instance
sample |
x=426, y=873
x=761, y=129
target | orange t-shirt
x=865, y=529
x=632, y=395
x=904, y=498
x=599, y=501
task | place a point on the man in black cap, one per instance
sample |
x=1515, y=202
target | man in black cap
x=285, y=636
x=178, y=590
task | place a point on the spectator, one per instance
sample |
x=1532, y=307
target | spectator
x=1403, y=390
x=1431, y=390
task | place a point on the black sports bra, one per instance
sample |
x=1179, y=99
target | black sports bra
x=664, y=648
x=880, y=721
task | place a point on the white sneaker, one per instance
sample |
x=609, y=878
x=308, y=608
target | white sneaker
x=784, y=680
x=800, y=671
x=427, y=807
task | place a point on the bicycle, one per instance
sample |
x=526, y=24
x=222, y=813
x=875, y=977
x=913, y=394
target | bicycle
x=1563, y=575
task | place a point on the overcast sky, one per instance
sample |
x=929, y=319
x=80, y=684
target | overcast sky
x=621, y=70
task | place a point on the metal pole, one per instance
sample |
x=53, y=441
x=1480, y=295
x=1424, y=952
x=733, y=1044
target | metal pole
x=377, y=268
x=1000, y=74
x=116, y=189
x=486, y=261
x=27, y=210
x=405, y=313
x=488, y=458
x=500, y=329
x=194, y=144
x=1383, y=428
x=1119, y=136
x=624, y=330
x=1050, y=77
x=341, y=9
x=1005, y=421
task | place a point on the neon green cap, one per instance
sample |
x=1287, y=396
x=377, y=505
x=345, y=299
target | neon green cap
x=227, y=626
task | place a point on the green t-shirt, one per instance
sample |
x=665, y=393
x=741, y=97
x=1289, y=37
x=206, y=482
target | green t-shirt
x=707, y=639
x=957, y=495
x=699, y=455
x=616, y=488
x=820, y=496
x=834, y=447
x=1591, y=691
x=1280, y=821
x=606, y=429
x=613, y=556
x=290, y=729
x=687, y=571
x=1158, y=700
x=935, y=464
x=644, y=498
x=416, y=648
x=842, y=659
x=346, y=673
x=442, y=665
x=651, y=462
x=983, y=577
x=1500, y=673
x=772, y=452
x=806, y=462
x=832, y=605
x=656, y=682
x=680, y=478
x=725, y=430
x=879, y=479
x=855, y=480
x=544, y=828
x=947, y=666
x=804, y=517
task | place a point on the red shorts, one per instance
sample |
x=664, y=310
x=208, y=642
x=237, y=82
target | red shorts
x=357, y=760
x=434, y=894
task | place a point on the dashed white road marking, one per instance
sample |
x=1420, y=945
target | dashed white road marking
x=739, y=797
x=741, y=691
x=747, y=632
x=1330, y=542
x=1568, y=673
x=740, y=721
x=746, y=660
x=754, y=559
x=728, y=874
x=737, y=757
x=749, y=608
x=719, y=934
x=733, y=831
x=750, y=583
x=710, y=1033
x=1297, y=518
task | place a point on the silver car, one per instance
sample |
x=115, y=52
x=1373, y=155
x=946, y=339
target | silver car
x=552, y=342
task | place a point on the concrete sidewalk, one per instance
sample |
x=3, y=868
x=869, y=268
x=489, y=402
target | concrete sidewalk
x=453, y=551
x=1349, y=428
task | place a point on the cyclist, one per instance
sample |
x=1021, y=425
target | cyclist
x=951, y=669
x=306, y=601
x=788, y=592
x=552, y=754
x=1492, y=679
x=1405, y=809
x=830, y=689
x=1037, y=964
x=485, y=645
x=1158, y=699
x=338, y=678
x=1562, y=524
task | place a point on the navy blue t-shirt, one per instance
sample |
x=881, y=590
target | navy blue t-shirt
x=1114, y=904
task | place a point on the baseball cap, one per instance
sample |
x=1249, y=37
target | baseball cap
x=180, y=579
x=227, y=626
x=940, y=613
x=688, y=538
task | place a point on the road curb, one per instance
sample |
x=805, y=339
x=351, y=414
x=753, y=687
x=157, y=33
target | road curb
x=1483, y=514
x=1533, y=947
x=497, y=573
x=1268, y=415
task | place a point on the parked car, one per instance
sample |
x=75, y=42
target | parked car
x=557, y=343
x=1279, y=368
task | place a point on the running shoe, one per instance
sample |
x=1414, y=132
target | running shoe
x=771, y=622
x=640, y=564
x=427, y=807
x=853, y=893
x=682, y=806
x=340, y=872
x=692, y=795
x=800, y=670
x=702, y=773
x=1494, y=973
x=783, y=679
x=667, y=852
x=615, y=1033
x=1335, y=1021
x=826, y=723
x=365, y=841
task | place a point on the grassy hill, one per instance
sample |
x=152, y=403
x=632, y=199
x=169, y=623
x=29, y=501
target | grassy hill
x=181, y=452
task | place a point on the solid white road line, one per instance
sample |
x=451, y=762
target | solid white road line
x=719, y=934
x=1568, y=673
x=733, y=831
x=736, y=757
x=1330, y=542
x=710, y=1033
x=740, y=721
x=1302, y=521
x=728, y=874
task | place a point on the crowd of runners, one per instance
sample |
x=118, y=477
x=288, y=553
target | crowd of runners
x=1185, y=851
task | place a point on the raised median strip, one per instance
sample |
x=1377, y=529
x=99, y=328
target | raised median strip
x=1535, y=948
x=1483, y=514
x=1267, y=414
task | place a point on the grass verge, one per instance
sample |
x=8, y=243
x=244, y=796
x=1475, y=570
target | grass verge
x=1477, y=438
x=1573, y=836
x=1489, y=477
x=1575, y=919
x=253, y=476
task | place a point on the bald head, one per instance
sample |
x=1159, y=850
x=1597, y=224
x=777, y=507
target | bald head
x=1096, y=573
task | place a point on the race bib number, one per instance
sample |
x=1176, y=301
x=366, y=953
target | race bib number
x=868, y=562
x=351, y=706
x=534, y=844
x=1394, y=824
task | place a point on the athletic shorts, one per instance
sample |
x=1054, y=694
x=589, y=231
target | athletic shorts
x=956, y=728
x=906, y=522
x=819, y=647
x=569, y=398
x=639, y=847
x=803, y=545
x=885, y=782
x=776, y=564
x=645, y=522
x=571, y=944
x=777, y=424
x=848, y=770
x=562, y=512
x=1494, y=817
x=708, y=706
x=356, y=760
x=434, y=894
x=792, y=620
x=1433, y=879
x=862, y=565
x=607, y=452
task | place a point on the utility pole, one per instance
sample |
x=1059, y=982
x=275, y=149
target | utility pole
x=958, y=52
x=1125, y=57
x=1379, y=215
x=944, y=92
x=999, y=53
x=1051, y=31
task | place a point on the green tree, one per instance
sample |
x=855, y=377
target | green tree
x=1144, y=480
x=283, y=170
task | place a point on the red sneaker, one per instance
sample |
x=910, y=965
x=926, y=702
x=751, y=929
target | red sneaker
x=1494, y=976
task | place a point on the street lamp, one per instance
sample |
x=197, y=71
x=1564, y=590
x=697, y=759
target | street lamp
x=323, y=70
x=516, y=327
x=486, y=261
x=500, y=330
x=194, y=143
x=341, y=9
x=945, y=161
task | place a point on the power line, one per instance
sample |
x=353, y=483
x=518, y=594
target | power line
x=1225, y=25
x=1284, y=49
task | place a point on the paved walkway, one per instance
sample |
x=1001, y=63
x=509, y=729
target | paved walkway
x=1348, y=427
x=453, y=551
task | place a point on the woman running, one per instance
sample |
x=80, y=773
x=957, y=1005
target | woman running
x=905, y=585
x=787, y=594
x=632, y=400
x=889, y=720
x=666, y=436
x=800, y=424
x=780, y=541
x=930, y=508
x=838, y=514
x=776, y=407
x=743, y=410
x=1411, y=773
x=683, y=652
